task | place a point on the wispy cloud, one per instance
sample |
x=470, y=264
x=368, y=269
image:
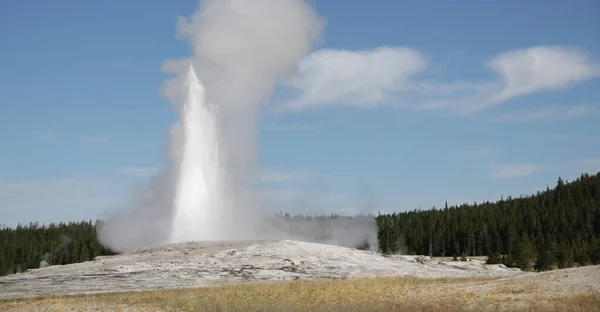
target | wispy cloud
x=374, y=77
x=523, y=72
x=44, y=135
x=353, y=78
x=94, y=139
x=511, y=170
x=449, y=88
x=283, y=175
x=136, y=171
x=553, y=113
x=541, y=68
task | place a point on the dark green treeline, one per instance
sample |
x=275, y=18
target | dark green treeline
x=558, y=227
x=33, y=245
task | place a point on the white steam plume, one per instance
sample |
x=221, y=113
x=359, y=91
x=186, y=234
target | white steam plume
x=241, y=50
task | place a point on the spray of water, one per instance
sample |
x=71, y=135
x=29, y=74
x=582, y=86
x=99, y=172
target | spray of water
x=242, y=49
x=196, y=191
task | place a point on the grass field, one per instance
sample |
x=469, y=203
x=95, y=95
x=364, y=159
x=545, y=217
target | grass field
x=365, y=294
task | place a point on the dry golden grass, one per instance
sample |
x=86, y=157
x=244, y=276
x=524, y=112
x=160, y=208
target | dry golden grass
x=375, y=294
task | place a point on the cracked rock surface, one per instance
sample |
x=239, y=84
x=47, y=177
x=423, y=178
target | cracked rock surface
x=216, y=263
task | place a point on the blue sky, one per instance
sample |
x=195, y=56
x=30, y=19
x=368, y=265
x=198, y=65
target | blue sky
x=448, y=100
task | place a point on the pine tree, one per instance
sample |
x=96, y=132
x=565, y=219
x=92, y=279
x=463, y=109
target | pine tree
x=594, y=250
x=84, y=253
x=524, y=252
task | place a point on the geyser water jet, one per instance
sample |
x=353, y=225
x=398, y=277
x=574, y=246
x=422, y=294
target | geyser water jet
x=196, y=196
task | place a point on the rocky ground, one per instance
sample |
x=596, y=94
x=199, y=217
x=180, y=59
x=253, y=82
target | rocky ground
x=218, y=263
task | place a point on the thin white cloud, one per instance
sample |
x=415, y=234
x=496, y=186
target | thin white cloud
x=461, y=105
x=283, y=175
x=519, y=73
x=354, y=78
x=511, y=170
x=437, y=88
x=94, y=139
x=553, y=113
x=136, y=171
x=373, y=77
x=44, y=135
x=540, y=68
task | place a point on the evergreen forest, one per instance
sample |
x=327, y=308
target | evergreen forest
x=33, y=246
x=556, y=228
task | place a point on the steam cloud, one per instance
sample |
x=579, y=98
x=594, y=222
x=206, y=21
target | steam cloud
x=241, y=51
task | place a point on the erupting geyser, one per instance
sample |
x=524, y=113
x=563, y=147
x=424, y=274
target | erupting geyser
x=196, y=196
x=241, y=51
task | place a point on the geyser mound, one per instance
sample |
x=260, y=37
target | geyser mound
x=196, y=264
